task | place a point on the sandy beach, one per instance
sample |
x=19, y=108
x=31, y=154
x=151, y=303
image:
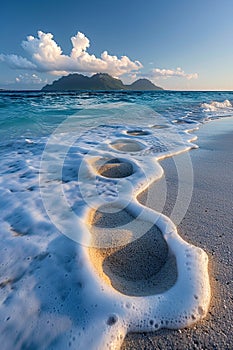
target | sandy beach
x=207, y=224
x=87, y=256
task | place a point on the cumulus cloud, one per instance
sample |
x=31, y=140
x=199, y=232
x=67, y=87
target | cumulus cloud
x=169, y=73
x=45, y=55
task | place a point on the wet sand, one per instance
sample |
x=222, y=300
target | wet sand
x=136, y=268
x=208, y=223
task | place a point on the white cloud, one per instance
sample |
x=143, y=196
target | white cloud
x=46, y=56
x=80, y=44
x=169, y=73
x=17, y=62
x=29, y=79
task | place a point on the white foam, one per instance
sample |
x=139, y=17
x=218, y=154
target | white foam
x=217, y=106
x=48, y=278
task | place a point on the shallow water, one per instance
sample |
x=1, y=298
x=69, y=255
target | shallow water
x=36, y=114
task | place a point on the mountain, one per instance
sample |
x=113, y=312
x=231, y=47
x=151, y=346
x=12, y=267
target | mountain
x=98, y=82
x=105, y=82
x=143, y=84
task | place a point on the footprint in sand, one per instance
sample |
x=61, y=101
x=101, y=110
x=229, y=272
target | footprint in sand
x=142, y=267
x=126, y=145
x=113, y=167
x=138, y=132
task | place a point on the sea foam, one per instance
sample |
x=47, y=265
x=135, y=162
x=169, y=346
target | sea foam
x=217, y=106
x=114, y=164
x=82, y=182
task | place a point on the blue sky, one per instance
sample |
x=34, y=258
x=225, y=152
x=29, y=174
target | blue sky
x=178, y=44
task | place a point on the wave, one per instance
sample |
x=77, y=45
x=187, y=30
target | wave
x=217, y=106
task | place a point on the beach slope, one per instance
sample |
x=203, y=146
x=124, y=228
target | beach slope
x=207, y=224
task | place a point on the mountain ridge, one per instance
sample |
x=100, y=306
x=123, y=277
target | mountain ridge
x=98, y=82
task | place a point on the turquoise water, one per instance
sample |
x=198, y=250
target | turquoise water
x=36, y=114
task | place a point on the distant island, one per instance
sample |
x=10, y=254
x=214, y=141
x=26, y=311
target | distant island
x=98, y=82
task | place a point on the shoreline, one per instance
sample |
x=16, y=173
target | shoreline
x=208, y=225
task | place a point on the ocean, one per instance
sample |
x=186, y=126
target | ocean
x=62, y=156
x=36, y=114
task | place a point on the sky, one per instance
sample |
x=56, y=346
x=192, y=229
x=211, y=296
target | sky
x=177, y=44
